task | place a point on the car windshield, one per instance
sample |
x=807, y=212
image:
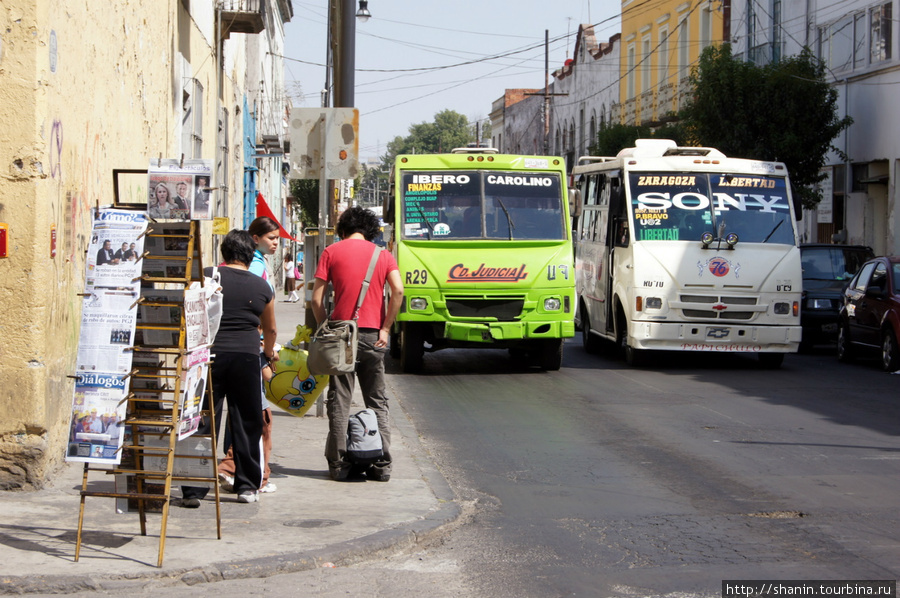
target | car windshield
x=450, y=205
x=832, y=263
x=683, y=206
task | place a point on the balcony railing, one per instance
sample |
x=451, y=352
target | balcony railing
x=242, y=16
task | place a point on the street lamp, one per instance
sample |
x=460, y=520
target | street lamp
x=363, y=13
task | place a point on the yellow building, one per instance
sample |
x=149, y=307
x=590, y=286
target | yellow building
x=661, y=41
x=86, y=88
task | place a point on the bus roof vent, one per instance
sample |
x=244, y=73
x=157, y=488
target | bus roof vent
x=648, y=148
x=657, y=148
x=473, y=150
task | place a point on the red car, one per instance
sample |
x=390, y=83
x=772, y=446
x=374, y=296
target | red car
x=870, y=313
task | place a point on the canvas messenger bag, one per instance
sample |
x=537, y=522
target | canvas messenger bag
x=332, y=348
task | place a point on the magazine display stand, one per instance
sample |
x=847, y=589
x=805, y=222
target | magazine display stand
x=164, y=395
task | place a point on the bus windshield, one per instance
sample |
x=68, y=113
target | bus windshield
x=501, y=205
x=683, y=206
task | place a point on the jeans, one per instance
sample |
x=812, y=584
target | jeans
x=370, y=371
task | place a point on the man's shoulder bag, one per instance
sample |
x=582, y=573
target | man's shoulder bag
x=332, y=348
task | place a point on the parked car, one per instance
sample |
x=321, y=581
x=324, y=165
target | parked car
x=870, y=314
x=826, y=269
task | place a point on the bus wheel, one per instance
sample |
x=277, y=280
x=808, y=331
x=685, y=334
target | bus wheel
x=552, y=354
x=633, y=357
x=771, y=361
x=590, y=342
x=412, y=347
x=394, y=345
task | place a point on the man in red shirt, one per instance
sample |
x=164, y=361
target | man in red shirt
x=344, y=265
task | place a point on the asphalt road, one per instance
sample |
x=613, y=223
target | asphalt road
x=605, y=480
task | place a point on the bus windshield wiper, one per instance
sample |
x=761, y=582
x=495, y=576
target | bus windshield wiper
x=769, y=236
x=425, y=219
x=508, y=217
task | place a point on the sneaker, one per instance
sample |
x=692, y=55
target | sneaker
x=248, y=496
x=226, y=482
x=378, y=477
x=190, y=503
x=269, y=487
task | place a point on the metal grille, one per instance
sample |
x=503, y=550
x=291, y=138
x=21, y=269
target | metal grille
x=724, y=314
x=500, y=308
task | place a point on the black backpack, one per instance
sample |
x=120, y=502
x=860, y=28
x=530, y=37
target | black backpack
x=363, y=438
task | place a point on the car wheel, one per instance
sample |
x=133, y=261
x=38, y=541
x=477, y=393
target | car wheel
x=890, y=353
x=844, y=349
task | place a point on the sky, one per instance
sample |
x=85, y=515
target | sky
x=415, y=58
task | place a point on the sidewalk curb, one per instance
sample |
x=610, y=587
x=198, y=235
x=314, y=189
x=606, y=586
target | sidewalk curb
x=404, y=536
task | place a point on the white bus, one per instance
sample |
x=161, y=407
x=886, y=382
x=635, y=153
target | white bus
x=685, y=249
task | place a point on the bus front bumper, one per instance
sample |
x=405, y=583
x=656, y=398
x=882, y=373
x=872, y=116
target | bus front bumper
x=492, y=332
x=715, y=338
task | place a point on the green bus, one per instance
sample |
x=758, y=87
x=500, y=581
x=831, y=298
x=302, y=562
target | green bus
x=484, y=246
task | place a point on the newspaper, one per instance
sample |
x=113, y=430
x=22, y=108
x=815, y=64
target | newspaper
x=194, y=377
x=196, y=318
x=117, y=241
x=108, y=319
x=179, y=190
x=96, y=429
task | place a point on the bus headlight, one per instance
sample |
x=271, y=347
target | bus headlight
x=418, y=303
x=653, y=303
x=551, y=304
x=782, y=309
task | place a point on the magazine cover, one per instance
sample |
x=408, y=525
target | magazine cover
x=96, y=429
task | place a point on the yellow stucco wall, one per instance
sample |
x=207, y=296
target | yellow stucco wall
x=660, y=23
x=85, y=88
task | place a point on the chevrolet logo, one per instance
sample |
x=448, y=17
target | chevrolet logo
x=720, y=307
x=716, y=332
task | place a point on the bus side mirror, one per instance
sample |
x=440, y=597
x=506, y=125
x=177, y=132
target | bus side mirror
x=574, y=202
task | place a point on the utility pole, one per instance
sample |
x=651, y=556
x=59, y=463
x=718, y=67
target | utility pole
x=546, y=92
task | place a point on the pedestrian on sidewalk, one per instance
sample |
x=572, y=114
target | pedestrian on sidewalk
x=290, y=278
x=344, y=265
x=248, y=303
x=265, y=234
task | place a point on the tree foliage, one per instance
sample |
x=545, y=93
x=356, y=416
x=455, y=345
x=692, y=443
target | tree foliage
x=784, y=111
x=449, y=130
x=612, y=139
x=306, y=208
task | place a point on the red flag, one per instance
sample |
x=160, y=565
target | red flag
x=263, y=209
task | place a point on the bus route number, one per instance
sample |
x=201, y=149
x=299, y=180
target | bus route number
x=416, y=276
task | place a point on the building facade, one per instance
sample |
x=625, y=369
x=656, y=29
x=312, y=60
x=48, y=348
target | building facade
x=86, y=89
x=661, y=41
x=856, y=42
x=583, y=94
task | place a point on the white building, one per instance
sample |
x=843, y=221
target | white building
x=855, y=40
x=583, y=94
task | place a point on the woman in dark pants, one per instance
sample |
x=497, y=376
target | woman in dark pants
x=248, y=304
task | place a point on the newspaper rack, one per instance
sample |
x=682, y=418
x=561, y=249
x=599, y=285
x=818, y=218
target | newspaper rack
x=156, y=385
